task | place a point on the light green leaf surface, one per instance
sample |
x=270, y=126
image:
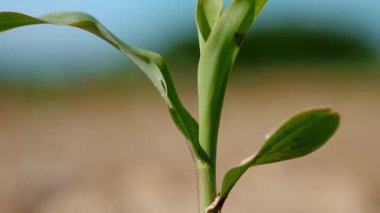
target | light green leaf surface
x=151, y=63
x=216, y=61
x=299, y=136
x=208, y=11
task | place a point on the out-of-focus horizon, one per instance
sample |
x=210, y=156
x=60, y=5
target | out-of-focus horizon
x=61, y=54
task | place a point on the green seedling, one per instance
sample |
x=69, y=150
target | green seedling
x=221, y=32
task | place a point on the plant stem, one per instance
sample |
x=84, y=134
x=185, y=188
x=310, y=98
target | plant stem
x=206, y=185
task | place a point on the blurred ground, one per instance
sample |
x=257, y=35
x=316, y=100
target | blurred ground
x=93, y=151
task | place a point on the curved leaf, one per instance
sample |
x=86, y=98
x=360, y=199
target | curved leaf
x=151, y=63
x=216, y=61
x=299, y=136
x=208, y=11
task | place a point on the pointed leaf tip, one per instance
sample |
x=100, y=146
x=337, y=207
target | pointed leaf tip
x=302, y=134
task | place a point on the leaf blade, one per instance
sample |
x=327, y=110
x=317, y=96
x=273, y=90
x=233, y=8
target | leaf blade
x=311, y=128
x=300, y=135
x=152, y=64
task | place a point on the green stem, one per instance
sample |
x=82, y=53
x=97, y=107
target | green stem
x=206, y=185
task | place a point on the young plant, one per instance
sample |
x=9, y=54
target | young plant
x=221, y=32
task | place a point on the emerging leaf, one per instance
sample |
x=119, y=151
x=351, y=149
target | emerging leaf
x=208, y=11
x=151, y=63
x=299, y=136
x=216, y=61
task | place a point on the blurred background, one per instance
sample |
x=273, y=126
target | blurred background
x=83, y=130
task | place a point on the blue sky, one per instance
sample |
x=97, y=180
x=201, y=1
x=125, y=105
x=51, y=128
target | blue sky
x=60, y=52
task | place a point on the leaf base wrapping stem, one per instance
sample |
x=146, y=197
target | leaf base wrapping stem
x=206, y=185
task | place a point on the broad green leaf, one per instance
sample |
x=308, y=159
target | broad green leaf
x=208, y=11
x=151, y=63
x=299, y=136
x=216, y=61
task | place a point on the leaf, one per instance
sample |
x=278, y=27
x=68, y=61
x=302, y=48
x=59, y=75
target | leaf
x=151, y=63
x=216, y=61
x=208, y=11
x=300, y=135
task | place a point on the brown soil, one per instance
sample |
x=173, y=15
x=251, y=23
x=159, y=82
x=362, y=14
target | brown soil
x=106, y=153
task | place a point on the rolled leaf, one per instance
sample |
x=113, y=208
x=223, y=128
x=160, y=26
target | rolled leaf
x=216, y=61
x=300, y=135
x=208, y=11
x=152, y=64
